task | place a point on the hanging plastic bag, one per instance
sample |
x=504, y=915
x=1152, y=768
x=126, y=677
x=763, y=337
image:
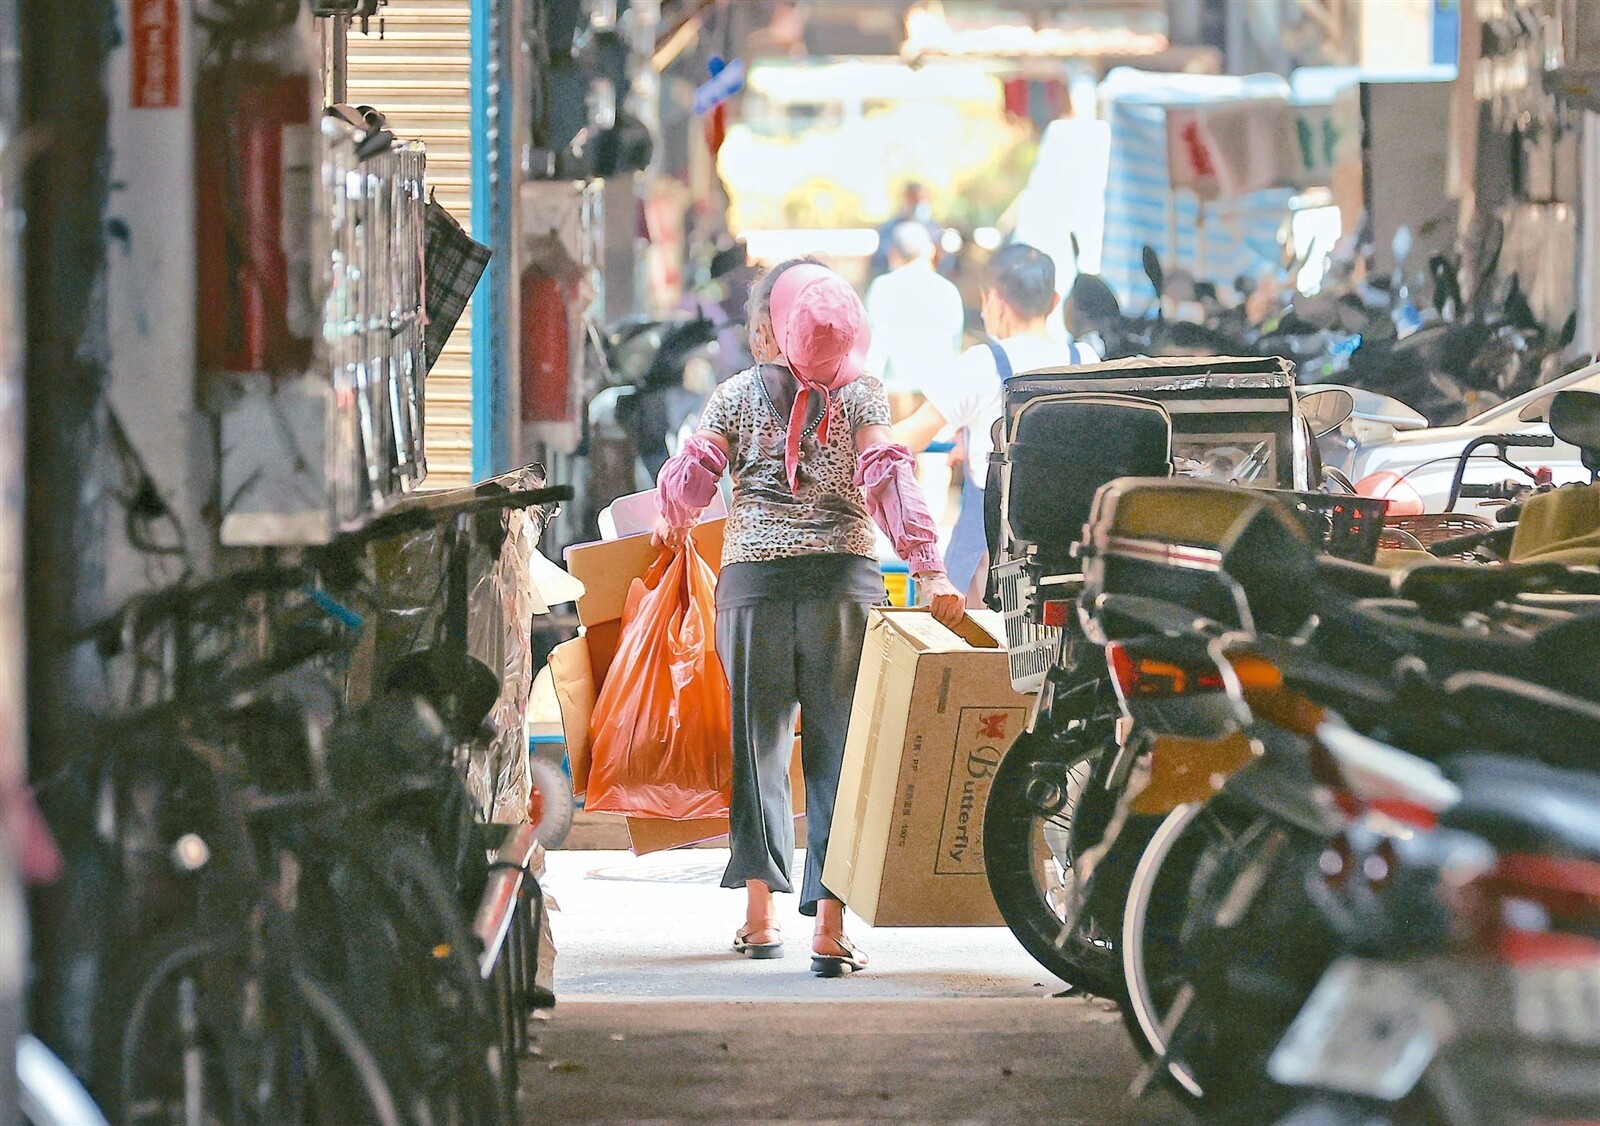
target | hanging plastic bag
x=660, y=736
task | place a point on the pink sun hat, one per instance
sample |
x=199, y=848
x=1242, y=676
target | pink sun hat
x=820, y=326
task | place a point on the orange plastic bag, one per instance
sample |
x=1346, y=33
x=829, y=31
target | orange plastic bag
x=660, y=740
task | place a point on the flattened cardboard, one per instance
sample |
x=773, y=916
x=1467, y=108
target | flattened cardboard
x=934, y=713
x=578, y=667
x=573, y=677
x=607, y=567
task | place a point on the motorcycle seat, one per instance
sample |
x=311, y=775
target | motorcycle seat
x=1445, y=591
x=1519, y=805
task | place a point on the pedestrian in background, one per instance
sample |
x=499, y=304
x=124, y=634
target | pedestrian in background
x=806, y=436
x=914, y=208
x=917, y=319
x=721, y=299
x=1019, y=294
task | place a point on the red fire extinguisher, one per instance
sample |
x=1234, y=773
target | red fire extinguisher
x=254, y=179
x=546, y=350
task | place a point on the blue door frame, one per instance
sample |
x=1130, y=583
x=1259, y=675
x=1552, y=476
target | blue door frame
x=493, y=33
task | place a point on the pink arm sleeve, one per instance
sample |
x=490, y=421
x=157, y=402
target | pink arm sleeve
x=886, y=473
x=688, y=480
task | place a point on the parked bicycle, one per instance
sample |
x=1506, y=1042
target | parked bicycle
x=294, y=878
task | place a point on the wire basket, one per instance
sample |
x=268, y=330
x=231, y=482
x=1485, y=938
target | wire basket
x=1430, y=529
x=1030, y=646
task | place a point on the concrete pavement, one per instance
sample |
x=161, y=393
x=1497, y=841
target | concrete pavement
x=659, y=926
x=658, y=1020
x=982, y=1060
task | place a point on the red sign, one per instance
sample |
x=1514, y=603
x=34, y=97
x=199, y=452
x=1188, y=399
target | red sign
x=1194, y=143
x=155, y=40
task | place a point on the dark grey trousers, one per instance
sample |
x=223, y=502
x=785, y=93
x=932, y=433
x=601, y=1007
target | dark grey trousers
x=779, y=654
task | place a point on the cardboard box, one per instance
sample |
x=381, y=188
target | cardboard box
x=578, y=668
x=934, y=713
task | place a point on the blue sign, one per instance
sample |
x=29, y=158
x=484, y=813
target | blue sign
x=726, y=80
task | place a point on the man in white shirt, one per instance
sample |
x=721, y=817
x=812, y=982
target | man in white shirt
x=1019, y=294
x=917, y=318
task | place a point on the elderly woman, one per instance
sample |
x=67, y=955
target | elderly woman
x=807, y=439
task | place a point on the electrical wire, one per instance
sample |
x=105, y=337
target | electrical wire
x=141, y=500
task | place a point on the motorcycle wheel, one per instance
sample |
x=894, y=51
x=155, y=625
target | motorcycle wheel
x=1029, y=856
x=550, y=803
x=1153, y=920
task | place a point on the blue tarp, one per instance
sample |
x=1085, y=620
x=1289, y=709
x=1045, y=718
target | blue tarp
x=1240, y=235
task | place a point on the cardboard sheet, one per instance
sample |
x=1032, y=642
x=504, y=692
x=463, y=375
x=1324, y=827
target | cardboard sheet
x=607, y=569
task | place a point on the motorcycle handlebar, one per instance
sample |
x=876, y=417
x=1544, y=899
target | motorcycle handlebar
x=1504, y=490
x=1501, y=443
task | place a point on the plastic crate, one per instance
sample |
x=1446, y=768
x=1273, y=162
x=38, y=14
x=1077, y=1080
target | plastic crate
x=1032, y=647
x=899, y=584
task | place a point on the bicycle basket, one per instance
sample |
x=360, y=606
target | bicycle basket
x=1399, y=532
x=1031, y=647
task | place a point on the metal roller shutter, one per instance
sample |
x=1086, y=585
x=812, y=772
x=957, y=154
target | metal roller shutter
x=419, y=73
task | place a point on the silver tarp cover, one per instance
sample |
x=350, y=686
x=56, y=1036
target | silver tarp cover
x=501, y=604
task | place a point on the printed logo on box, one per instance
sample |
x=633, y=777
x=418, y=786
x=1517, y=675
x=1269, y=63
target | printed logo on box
x=982, y=737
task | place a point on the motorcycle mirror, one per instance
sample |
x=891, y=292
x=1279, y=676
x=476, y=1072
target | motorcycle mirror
x=1076, y=250
x=1385, y=410
x=1153, y=271
x=1181, y=285
x=1399, y=415
x=1327, y=409
x=1575, y=418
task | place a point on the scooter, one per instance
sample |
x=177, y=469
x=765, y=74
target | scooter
x=1216, y=919
x=1341, y=936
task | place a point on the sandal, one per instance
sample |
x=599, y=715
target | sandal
x=837, y=965
x=743, y=945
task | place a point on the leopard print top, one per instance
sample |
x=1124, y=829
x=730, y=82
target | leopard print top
x=826, y=515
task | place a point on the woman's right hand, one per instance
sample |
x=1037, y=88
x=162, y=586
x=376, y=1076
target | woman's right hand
x=944, y=600
x=667, y=536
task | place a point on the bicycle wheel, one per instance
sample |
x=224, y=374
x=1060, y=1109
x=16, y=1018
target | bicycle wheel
x=1030, y=859
x=550, y=807
x=199, y=1041
x=432, y=1003
x=335, y=1049
x=163, y=1054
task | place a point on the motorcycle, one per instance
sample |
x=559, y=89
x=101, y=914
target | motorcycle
x=1228, y=926
x=1050, y=812
x=659, y=374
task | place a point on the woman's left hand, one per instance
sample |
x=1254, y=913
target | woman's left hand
x=947, y=603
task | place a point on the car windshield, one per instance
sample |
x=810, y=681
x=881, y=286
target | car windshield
x=1511, y=410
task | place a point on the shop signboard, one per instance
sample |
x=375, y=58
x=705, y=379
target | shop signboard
x=1324, y=137
x=154, y=33
x=1229, y=149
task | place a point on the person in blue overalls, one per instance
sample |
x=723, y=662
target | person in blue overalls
x=1019, y=294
